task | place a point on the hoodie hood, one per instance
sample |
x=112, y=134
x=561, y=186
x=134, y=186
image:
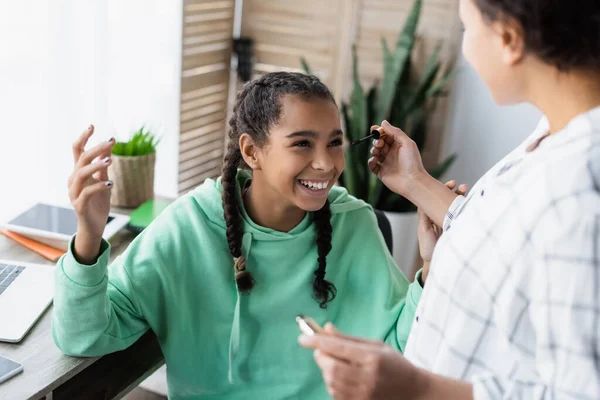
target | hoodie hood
x=209, y=198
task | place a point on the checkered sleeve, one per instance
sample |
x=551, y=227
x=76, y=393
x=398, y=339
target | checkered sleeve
x=452, y=211
x=562, y=295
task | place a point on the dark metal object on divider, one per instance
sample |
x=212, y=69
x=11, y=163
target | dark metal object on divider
x=244, y=48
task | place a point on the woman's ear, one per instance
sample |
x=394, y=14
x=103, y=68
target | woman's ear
x=513, y=41
x=249, y=149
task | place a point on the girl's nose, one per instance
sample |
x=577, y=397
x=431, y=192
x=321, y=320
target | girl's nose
x=322, y=161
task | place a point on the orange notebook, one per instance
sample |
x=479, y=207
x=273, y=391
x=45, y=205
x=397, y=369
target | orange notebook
x=48, y=252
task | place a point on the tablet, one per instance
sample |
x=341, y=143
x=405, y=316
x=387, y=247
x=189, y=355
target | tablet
x=54, y=225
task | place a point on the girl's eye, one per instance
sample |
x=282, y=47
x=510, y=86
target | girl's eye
x=336, y=142
x=303, y=143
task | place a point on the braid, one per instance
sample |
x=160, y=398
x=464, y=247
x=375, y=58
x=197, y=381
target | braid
x=258, y=107
x=323, y=290
x=231, y=161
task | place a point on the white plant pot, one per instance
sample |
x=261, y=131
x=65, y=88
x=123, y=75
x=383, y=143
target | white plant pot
x=406, y=244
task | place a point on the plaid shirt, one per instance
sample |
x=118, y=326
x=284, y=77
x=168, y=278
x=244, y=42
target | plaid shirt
x=512, y=303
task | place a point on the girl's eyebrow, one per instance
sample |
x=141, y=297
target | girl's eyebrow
x=313, y=134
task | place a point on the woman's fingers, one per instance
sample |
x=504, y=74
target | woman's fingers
x=425, y=222
x=335, y=370
x=88, y=156
x=373, y=166
x=331, y=329
x=451, y=184
x=339, y=377
x=462, y=189
x=379, y=143
x=393, y=134
x=79, y=144
x=380, y=149
x=81, y=176
x=91, y=190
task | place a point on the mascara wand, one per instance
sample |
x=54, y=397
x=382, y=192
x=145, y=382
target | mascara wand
x=376, y=133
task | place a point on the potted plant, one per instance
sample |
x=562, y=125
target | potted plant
x=405, y=101
x=132, y=169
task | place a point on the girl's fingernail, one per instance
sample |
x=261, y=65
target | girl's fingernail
x=108, y=183
x=375, y=142
x=106, y=160
x=111, y=140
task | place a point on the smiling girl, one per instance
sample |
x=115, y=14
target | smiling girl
x=222, y=273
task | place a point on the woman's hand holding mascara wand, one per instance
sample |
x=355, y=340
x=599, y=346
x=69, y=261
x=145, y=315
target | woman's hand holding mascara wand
x=397, y=163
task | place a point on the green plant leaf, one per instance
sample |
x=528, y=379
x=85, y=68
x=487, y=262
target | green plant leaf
x=305, y=66
x=430, y=71
x=404, y=91
x=437, y=89
x=141, y=143
x=441, y=169
x=348, y=174
x=358, y=103
x=418, y=128
x=393, y=64
x=396, y=203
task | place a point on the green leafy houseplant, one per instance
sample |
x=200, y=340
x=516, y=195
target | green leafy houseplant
x=132, y=169
x=403, y=100
x=142, y=143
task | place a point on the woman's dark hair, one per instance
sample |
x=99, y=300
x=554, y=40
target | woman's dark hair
x=562, y=33
x=258, y=107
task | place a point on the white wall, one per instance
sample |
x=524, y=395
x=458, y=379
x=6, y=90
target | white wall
x=480, y=131
x=69, y=63
x=23, y=100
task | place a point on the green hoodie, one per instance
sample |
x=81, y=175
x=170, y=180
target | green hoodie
x=176, y=278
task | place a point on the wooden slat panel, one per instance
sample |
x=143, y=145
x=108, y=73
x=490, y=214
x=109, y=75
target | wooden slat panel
x=199, y=81
x=207, y=162
x=197, y=39
x=204, y=130
x=204, y=101
x=206, y=54
x=190, y=184
x=189, y=159
x=225, y=5
x=202, y=111
x=207, y=17
x=203, y=91
x=286, y=30
x=206, y=28
x=199, y=122
x=184, y=147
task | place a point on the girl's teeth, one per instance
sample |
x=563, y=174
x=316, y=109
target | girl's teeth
x=314, y=186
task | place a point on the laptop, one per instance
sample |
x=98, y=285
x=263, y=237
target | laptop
x=26, y=291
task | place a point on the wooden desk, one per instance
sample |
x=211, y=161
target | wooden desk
x=47, y=373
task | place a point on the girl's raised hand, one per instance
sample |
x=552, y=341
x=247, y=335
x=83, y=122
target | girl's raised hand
x=89, y=192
